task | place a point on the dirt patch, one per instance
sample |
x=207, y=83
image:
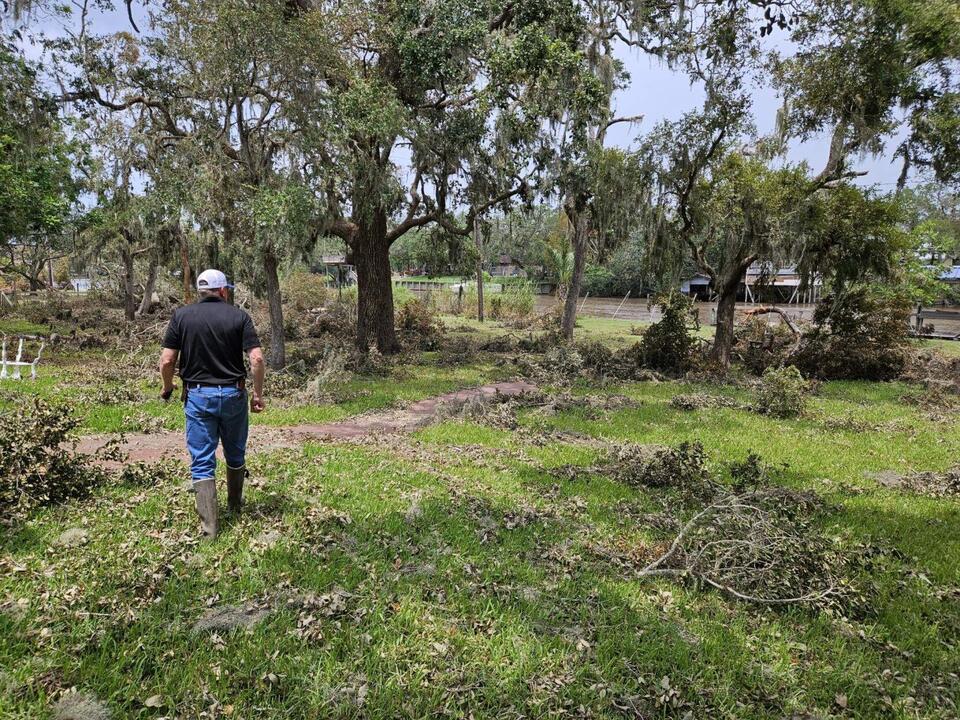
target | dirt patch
x=72, y=537
x=163, y=445
x=945, y=484
x=80, y=706
x=229, y=617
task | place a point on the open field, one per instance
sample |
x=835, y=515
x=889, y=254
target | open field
x=466, y=570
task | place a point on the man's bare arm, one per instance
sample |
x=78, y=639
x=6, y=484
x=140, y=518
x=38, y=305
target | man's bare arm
x=168, y=365
x=259, y=368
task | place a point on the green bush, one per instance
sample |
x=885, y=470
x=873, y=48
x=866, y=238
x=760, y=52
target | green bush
x=597, y=358
x=862, y=335
x=303, y=291
x=516, y=302
x=782, y=393
x=417, y=325
x=759, y=345
x=38, y=466
x=667, y=346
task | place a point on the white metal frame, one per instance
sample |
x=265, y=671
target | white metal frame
x=11, y=369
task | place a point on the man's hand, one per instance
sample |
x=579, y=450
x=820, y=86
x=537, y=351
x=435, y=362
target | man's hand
x=256, y=404
x=168, y=363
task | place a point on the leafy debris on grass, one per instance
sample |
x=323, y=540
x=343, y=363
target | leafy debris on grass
x=76, y=705
x=228, y=617
x=933, y=484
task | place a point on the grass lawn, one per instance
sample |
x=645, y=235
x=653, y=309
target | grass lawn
x=459, y=572
x=950, y=348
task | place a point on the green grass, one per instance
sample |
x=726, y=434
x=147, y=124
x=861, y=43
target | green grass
x=19, y=326
x=472, y=578
x=454, y=609
x=950, y=348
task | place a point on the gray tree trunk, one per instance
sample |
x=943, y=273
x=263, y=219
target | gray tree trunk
x=148, y=288
x=578, y=230
x=277, y=358
x=477, y=239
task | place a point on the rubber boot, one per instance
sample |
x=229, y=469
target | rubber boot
x=207, y=508
x=235, y=478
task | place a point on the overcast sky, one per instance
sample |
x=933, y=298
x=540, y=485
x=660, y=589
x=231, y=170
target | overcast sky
x=655, y=92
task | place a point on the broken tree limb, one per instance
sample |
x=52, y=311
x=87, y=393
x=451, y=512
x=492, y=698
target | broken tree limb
x=774, y=311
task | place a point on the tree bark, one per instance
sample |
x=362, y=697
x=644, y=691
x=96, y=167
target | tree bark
x=371, y=252
x=185, y=265
x=476, y=235
x=278, y=347
x=148, y=287
x=726, y=311
x=129, y=299
x=578, y=231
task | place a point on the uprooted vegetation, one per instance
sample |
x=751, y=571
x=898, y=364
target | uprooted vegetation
x=933, y=484
x=751, y=539
x=39, y=463
x=501, y=411
x=861, y=335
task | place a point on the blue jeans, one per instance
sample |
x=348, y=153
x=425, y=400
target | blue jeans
x=215, y=415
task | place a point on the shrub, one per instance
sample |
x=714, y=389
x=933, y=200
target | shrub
x=517, y=300
x=561, y=365
x=759, y=345
x=782, y=393
x=597, y=357
x=861, y=336
x=683, y=468
x=600, y=282
x=667, y=346
x=303, y=291
x=38, y=466
x=417, y=325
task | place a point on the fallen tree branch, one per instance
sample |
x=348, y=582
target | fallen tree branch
x=774, y=311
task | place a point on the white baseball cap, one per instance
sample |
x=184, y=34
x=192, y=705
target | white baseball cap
x=212, y=280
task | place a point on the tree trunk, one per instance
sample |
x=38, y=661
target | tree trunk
x=479, y=241
x=129, y=293
x=578, y=231
x=148, y=287
x=371, y=252
x=278, y=347
x=185, y=265
x=726, y=310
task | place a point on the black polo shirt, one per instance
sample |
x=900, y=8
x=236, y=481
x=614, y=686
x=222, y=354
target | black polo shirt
x=211, y=336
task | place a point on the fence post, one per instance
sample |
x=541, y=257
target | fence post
x=621, y=304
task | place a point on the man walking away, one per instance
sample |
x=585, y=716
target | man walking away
x=210, y=338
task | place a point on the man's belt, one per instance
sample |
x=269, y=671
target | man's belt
x=239, y=384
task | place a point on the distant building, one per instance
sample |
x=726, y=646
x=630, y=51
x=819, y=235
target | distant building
x=506, y=266
x=335, y=267
x=698, y=287
x=951, y=277
x=765, y=283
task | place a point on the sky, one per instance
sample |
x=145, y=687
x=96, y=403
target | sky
x=656, y=92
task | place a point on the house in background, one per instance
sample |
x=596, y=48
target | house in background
x=951, y=278
x=507, y=266
x=335, y=267
x=699, y=287
x=765, y=283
